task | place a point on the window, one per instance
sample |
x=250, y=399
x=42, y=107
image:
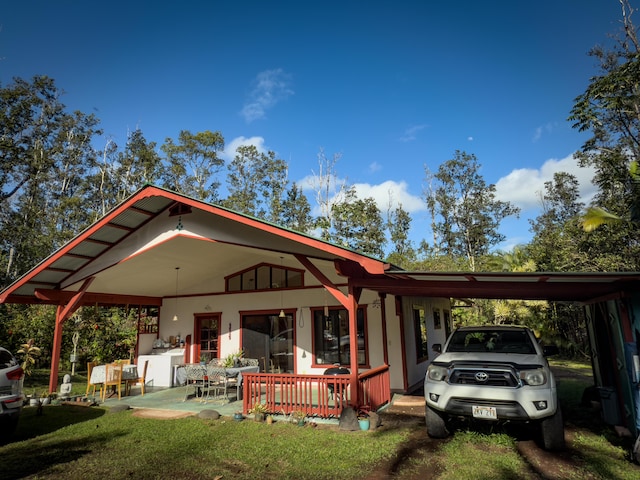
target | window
x=331, y=336
x=270, y=338
x=437, y=324
x=264, y=277
x=420, y=327
x=447, y=322
x=208, y=328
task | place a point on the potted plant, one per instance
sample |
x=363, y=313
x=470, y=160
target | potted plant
x=363, y=420
x=298, y=417
x=45, y=397
x=233, y=359
x=259, y=411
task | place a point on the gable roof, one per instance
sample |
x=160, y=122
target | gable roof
x=134, y=250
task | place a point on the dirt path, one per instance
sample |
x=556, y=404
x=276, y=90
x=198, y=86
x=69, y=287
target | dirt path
x=542, y=464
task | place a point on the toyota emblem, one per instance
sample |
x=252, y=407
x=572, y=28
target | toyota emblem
x=482, y=377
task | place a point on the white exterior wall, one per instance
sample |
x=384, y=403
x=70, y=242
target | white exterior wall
x=416, y=371
x=229, y=306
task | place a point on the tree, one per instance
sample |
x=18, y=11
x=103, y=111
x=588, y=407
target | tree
x=358, y=224
x=610, y=110
x=399, y=225
x=467, y=214
x=45, y=152
x=553, y=247
x=296, y=211
x=256, y=182
x=329, y=189
x=193, y=163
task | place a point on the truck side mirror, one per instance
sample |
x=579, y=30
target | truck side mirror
x=437, y=347
x=549, y=350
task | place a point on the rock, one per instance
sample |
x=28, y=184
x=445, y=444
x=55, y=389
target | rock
x=119, y=408
x=209, y=414
x=349, y=420
x=374, y=420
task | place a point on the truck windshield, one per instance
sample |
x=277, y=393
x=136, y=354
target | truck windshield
x=484, y=340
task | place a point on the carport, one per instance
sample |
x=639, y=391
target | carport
x=612, y=310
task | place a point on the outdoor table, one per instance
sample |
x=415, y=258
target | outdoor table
x=129, y=372
x=231, y=372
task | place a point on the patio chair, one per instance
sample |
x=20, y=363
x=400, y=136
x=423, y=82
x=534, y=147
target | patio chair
x=216, y=383
x=141, y=380
x=112, y=378
x=195, y=377
x=249, y=362
x=90, y=385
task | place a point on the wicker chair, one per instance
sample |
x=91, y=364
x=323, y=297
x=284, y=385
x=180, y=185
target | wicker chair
x=216, y=383
x=195, y=377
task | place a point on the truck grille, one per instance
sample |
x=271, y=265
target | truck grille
x=484, y=376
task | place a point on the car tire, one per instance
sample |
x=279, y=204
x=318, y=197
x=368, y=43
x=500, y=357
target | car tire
x=436, y=423
x=552, y=430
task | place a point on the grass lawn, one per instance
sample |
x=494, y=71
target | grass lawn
x=91, y=442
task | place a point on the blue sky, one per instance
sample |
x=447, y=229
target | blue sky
x=389, y=86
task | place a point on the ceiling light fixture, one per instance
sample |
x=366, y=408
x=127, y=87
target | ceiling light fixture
x=175, y=315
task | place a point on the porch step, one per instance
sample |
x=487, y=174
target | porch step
x=408, y=400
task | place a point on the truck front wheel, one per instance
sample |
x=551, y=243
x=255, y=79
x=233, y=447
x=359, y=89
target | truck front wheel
x=436, y=424
x=552, y=429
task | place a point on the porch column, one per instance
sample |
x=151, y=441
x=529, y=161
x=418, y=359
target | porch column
x=62, y=314
x=352, y=309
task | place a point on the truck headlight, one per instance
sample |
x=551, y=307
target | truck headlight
x=534, y=377
x=436, y=373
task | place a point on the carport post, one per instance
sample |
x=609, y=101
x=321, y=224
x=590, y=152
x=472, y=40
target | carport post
x=62, y=314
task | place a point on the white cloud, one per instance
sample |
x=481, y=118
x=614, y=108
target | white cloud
x=383, y=194
x=470, y=139
x=374, y=167
x=546, y=128
x=391, y=192
x=524, y=186
x=410, y=133
x=231, y=147
x=269, y=88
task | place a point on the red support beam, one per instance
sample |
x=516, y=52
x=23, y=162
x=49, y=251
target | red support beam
x=62, y=314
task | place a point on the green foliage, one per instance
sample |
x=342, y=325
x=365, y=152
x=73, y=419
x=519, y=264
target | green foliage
x=193, y=163
x=29, y=352
x=358, y=224
x=466, y=214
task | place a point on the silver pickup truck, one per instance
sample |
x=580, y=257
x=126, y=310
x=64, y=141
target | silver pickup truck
x=493, y=373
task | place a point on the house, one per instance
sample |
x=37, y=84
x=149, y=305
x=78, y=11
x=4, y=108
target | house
x=207, y=282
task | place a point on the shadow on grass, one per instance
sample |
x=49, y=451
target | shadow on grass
x=22, y=460
x=32, y=425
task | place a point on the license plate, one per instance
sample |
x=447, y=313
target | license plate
x=488, y=413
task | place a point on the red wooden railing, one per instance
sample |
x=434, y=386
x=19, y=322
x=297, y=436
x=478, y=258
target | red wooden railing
x=285, y=393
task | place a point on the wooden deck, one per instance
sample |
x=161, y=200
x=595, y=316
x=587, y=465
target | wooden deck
x=317, y=395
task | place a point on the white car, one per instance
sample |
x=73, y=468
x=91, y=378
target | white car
x=11, y=395
x=493, y=373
